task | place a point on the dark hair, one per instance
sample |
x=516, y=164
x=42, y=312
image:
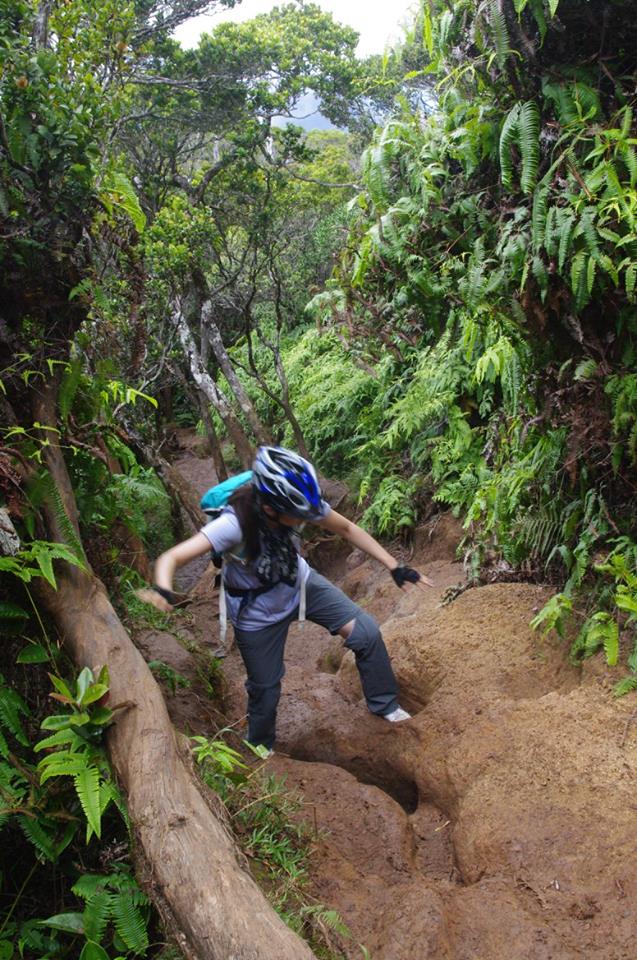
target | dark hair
x=246, y=507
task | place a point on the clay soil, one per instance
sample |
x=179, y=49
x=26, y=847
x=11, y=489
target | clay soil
x=501, y=821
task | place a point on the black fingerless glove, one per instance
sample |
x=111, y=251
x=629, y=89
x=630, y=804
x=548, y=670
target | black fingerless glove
x=168, y=595
x=402, y=575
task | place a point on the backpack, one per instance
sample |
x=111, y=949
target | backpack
x=215, y=499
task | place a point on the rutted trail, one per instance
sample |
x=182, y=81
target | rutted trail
x=501, y=821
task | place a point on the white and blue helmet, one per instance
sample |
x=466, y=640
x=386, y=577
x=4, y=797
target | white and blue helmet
x=288, y=483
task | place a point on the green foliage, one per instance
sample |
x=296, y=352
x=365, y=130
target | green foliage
x=115, y=912
x=173, y=680
x=521, y=129
x=264, y=815
x=74, y=745
x=37, y=561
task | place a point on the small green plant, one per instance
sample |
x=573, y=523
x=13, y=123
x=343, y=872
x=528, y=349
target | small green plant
x=116, y=914
x=75, y=745
x=173, y=680
x=50, y=816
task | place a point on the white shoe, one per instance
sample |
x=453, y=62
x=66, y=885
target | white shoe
x=397, y=715
x=263, y=752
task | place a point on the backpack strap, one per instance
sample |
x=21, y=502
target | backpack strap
x=303, y=600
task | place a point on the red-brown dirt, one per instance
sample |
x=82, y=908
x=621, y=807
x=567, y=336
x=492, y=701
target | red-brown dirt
x=501, y=821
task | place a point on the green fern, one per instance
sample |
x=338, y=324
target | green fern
x=508, y=138
x=521, y=128
x=35, y=832
x=69, y=387
x=118, y=193
x=129, y=921
x=97, y=912
x=500, y=33
x=87, y=786
x=566, y=227
x=625, y=686
x=529, y=139
x=12, y=706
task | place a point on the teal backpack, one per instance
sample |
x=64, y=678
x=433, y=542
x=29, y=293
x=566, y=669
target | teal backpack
x=215, y=499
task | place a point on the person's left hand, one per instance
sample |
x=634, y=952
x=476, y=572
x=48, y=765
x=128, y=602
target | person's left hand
x=402, y=575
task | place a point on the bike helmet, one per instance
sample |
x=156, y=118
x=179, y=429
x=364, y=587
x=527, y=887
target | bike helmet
x=288, y=483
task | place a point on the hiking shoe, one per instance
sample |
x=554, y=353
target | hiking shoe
x=397, y=715
x=263, y=752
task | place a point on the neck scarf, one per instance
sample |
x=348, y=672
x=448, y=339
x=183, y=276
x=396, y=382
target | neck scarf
x=278, y=561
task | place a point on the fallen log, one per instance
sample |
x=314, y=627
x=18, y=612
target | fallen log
x=194, y=866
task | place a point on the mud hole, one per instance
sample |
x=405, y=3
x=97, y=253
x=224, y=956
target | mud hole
x=501, y=822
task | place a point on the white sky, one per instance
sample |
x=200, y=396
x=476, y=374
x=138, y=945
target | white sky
x=377, y=21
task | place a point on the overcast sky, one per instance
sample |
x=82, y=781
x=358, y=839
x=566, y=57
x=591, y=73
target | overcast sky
x=377, y=21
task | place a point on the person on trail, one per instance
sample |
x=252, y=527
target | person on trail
x=268, y=585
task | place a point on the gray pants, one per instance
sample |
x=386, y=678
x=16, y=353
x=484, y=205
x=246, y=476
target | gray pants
x=262, y=653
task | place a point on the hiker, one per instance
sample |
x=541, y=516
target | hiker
x=267, y=584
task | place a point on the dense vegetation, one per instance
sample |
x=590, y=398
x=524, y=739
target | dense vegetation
x=437, y=301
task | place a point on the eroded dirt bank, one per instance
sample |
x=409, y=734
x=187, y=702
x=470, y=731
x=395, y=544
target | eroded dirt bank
x=501, y=822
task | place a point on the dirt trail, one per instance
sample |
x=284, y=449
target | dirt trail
x=501, y=822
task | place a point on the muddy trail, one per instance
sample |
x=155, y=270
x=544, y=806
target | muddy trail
x=501, y=821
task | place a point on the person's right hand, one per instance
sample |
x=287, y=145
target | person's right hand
x=148, y=595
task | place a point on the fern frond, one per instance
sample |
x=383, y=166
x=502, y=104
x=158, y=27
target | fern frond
x=68, y=387
x=587, y=227
x=37, y=835
x=97, y=912
x=88, y=884
x=87, y=786
x=129, y=922
x=585, y=369
x=508, y=137
x=11, y=706
x=529, y=138
x=537, y=9
x=542, y=219
x=499, y=32
x=566, y=227
x=625, y=686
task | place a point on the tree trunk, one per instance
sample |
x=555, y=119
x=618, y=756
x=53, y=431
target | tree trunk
x=221, y=355
x=210, y=389
x=284, y=398
x=199, y=398
x=195, y=872
x=214, y=446
x=299, y=439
